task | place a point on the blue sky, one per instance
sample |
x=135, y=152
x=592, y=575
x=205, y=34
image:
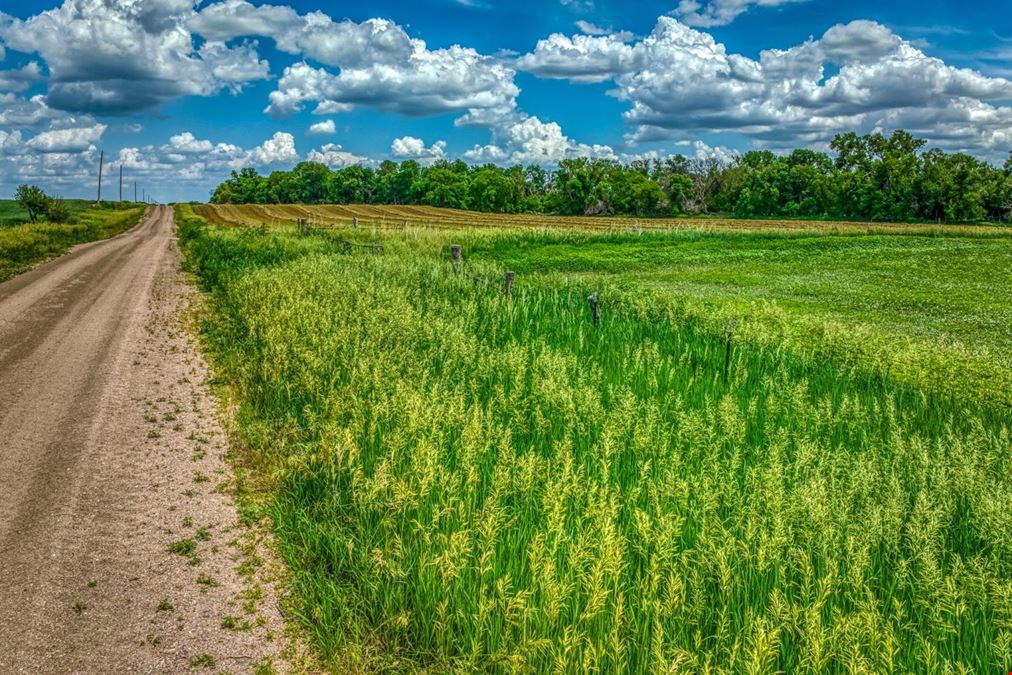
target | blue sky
x=181, y=92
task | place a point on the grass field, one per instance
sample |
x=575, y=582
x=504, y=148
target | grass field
x=463, y=481
x=22, y=246
x=11, y=212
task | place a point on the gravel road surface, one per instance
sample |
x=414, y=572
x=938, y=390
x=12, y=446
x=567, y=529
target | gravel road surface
x=119, y=545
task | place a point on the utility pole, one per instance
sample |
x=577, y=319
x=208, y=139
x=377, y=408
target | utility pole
x=121, y=182
x=101, y=162
x=135, y=192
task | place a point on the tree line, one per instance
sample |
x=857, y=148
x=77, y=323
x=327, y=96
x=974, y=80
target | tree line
x=872, y=177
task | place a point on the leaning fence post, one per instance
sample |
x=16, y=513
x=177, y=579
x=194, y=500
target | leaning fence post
x=727, y=350
x=458, y=258
x=508, y=287
x=595, y=310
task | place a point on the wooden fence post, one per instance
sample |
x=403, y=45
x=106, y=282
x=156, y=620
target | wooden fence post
x=458, y=257
x=595, y=309
x=727, y=350
x=508, y=287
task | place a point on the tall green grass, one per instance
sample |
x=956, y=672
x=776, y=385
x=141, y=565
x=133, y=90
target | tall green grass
x=932, y=311
x=22, y=246
x=465, y=482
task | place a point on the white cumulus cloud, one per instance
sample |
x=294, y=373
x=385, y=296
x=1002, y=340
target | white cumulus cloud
x=409, y=147
x=680, y=82
x=22, y=112
x=187, y=144
x=21, y=78
x=378, y=65
x=75, y=139
x=279, y=149
x=121, y=56
x=721, y=12
x=335, y=156
x=324, y=128
x=532, y=141
x=10, y=142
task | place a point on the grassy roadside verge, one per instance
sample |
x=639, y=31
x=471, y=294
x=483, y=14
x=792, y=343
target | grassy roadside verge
x=22, y=246
x=463, y=482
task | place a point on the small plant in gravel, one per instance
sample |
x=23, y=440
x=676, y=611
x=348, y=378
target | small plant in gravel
x=183, y=547
x=202, y=661
x=265, y=667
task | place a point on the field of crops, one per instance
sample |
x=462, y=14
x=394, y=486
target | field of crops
x=466, y=481
x=24, y=245
x=400, y=217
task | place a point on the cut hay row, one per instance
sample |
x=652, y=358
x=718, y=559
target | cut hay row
x=397, y=217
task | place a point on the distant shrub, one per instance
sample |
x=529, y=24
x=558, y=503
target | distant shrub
x=58, y=211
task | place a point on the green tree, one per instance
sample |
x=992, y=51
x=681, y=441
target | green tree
x=351, y=185
x=399, y=184
x=446, y=185
x=243, y=187
x=493, y=191
x=872, y=177
x=33, y=200
x=309, y=183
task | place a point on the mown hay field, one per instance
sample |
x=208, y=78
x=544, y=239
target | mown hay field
x=398, y=217
x=465, y=481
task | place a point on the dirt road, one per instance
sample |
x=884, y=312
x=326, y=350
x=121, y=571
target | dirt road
x=119, y=546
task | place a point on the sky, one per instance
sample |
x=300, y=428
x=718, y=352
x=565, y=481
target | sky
x=179, y=93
